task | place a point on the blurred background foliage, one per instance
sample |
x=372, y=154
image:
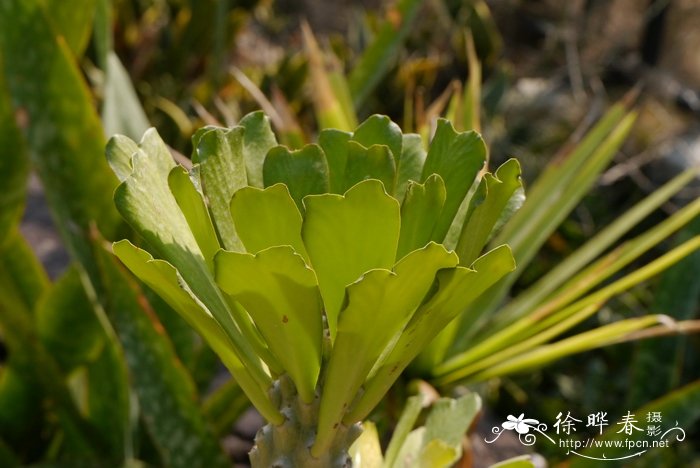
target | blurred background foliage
x=137, y=384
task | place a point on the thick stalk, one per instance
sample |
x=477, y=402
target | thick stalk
x=288, y=445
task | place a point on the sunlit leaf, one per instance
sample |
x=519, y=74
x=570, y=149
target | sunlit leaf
x=457, y=158
x=347, y=236
x=267, y=218
x=387, y=299
x=485, y=212
x=258, y=139
x=447, y=301
x=280, y=292
x=304, y=171
x=420, y=212
x=222, y=171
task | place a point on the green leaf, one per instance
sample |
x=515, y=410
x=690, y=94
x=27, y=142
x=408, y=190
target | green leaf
x=439, y=442
x=280, y=292
x=304, y=171
x=119, y=151
x=121, y=111
x=574, y=264
x=61, y=128
x=162, y=277
x=13, y=167
x=366, y=451
x=102, y=32
x=22, y=278
x=553, y=320
x=221, y=167
x=335, y=146
x=20, y=417
x=485, y=212
x=374, y=162
x=387, y=299
x=596, y=338
x=410, y=450
x=164, y=389
x=449, y=420
x=22, y=282
x=657, y=365
x=267, y=218
x=72, y=20
x=523, y=461
x=258, y=139
x=437, y=453
x=380, y=130
x=449, y=299
x=420, y=212
x=144, y=199
x=328, y=103
x=347, y=236
x=63, y=313
x=558, y=190
x=457, y=158
x=195, y=211
x=408, y=418
x=377, y=59
x=410, y=164
x=112, y=417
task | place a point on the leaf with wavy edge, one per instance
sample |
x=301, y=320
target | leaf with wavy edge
x=375, y=162
x=386, y=300
x=485, y=211
x=266, y=218
x=457, y=158
x=410, y=165
x=335, y=146
x=304, y=171
x=457, y=288
x=144, y=199
x=420, y=211
x=347, y=236
x=258, y=139
x=280, y=292
x=164, y=279
x=218, y=156
x=380, y=130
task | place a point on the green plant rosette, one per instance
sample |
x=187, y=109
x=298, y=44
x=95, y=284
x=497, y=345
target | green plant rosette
x=317, y=275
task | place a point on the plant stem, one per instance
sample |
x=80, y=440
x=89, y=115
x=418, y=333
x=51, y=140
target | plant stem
x=288, y=445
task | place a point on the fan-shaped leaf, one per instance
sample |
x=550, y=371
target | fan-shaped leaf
x=144, y=199
x=304, y=171
x=335, y=146
x=456, y=289
x=420, y=212
x=484, y=212
x=266, y=218
x=280, y=292
x=457, y=158
x=380, y=130
x=162, y=277
x=258, y=139
x=410, y=165
x=374, y=162
x=221, y=168
x=387, y=300
x=347, y=236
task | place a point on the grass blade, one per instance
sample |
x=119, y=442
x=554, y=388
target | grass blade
x=376, y=60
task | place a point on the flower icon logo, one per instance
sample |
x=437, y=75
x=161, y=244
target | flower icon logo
x=520, y=424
